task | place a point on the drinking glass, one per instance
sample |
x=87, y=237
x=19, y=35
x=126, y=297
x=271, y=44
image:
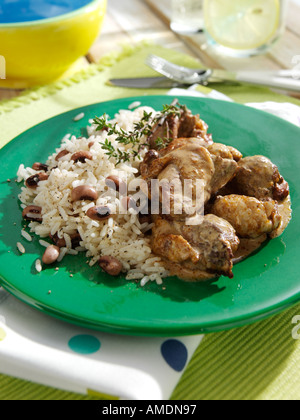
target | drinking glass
x=187, y=16
x=243, y=28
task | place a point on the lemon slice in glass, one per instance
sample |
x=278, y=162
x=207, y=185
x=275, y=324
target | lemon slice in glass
x=242, y=24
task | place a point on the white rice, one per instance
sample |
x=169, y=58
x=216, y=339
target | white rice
x=44, y=243
x=38, y=265
x=121, y=236
x=135, y=104
x=26, y=235
x=79, y=117
x=21, y=248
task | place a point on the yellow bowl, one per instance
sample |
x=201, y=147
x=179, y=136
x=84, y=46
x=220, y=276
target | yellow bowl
x=41, y=51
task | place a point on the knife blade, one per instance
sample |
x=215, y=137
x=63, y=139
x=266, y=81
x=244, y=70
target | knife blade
x=284, y=80
x=146, y=83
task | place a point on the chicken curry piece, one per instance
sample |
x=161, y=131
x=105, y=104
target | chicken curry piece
x=245, y=199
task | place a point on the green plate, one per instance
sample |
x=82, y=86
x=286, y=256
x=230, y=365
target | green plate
x=264, y=284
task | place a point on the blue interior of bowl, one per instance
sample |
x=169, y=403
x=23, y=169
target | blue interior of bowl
x=17, y=11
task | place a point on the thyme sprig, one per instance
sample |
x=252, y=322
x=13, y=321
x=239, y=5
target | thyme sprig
x=141, y=129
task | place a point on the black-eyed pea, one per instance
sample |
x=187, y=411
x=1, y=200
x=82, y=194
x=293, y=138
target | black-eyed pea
x=51, y=254
x=32, y=213
x=75, y=239
x=81, y=156
x=99, y=213
x=33, y=181
x=60, y=242
x=38, y=166
x=61, y=154
x=110, y=265
x=84, y=192
x=116, y=183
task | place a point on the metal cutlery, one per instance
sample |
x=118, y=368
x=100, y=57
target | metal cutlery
x=177, y=73
x=282, y=79
x=146, y=83
x=179, y=76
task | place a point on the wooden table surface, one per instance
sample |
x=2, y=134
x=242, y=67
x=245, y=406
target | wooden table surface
x=137, y=20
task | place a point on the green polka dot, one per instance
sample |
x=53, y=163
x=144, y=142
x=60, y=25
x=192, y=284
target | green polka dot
x=2, y=334
x=84, y=344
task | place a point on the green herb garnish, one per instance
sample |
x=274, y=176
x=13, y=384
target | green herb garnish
x=142, y=128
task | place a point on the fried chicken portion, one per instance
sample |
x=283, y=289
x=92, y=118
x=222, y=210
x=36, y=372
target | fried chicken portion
x=225, y=160
x=182, y=142
x=258, y=177
x=190, y=159
x=225, y=170
x=225, y=152
x=241, y=198
x=182, y=124
x=249, y=216
x=209, y=246
x=190, y=162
